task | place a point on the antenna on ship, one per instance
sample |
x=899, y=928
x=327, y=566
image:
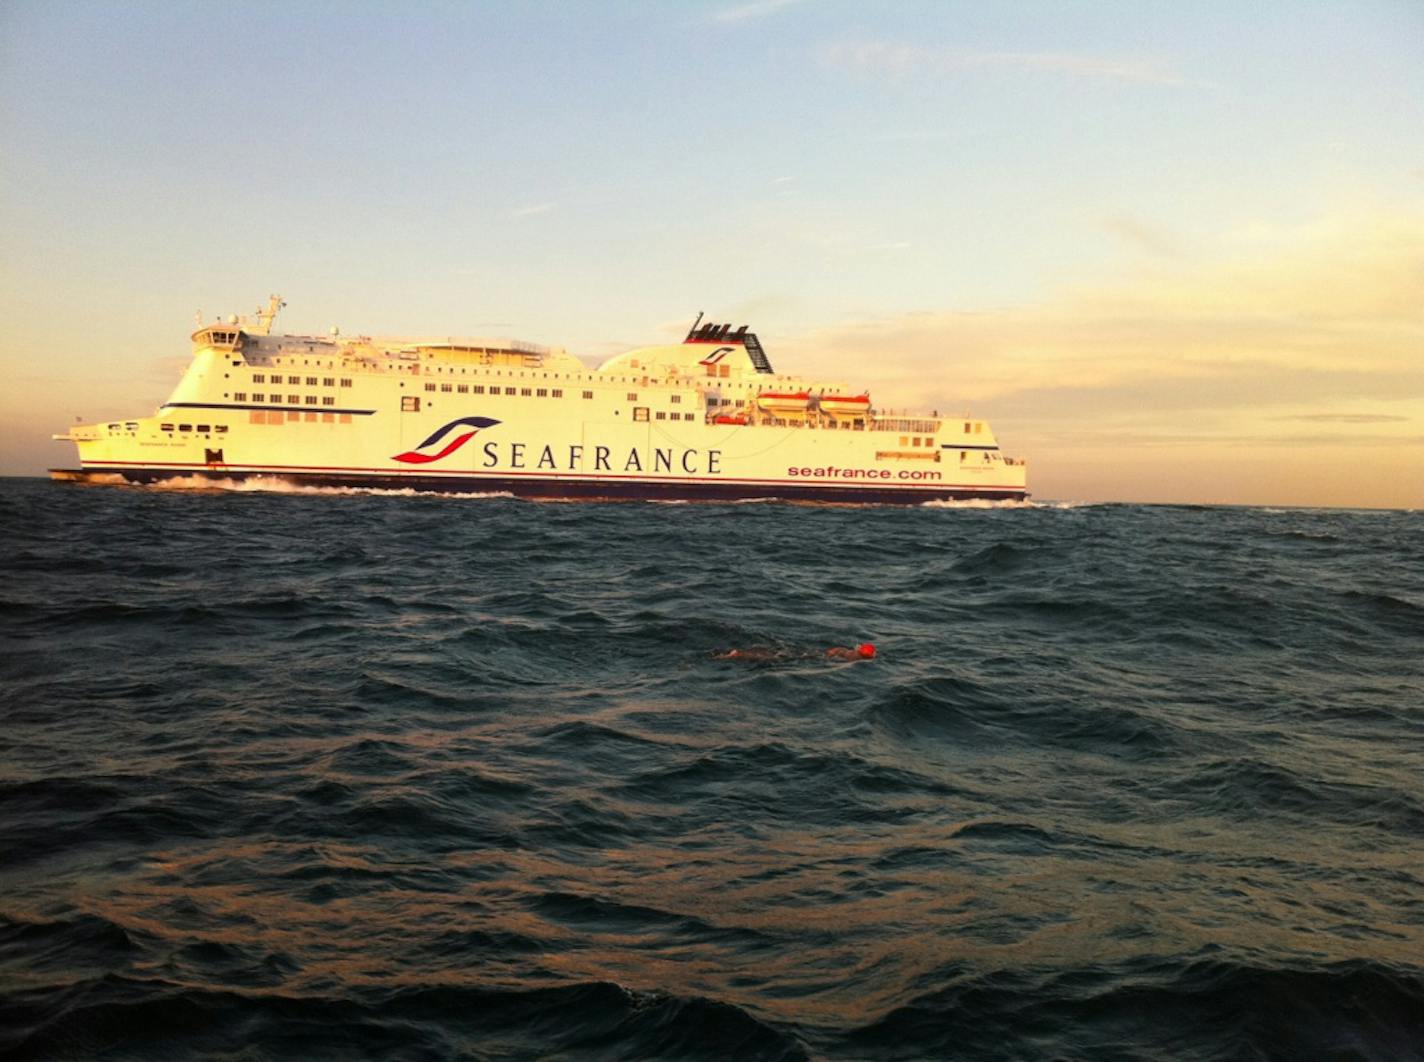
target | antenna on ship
x=267, y=316
x=695, y=324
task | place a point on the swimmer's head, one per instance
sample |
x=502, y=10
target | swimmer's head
x=866, y=650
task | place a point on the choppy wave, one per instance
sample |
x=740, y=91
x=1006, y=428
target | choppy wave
x=323, y=773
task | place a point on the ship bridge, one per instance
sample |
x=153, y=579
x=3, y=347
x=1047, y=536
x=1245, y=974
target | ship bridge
x=219, y=337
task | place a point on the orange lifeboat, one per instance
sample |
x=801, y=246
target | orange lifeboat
x=723, y=418
x=845, y=405
x=784, y=401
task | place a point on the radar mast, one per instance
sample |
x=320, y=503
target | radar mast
x=266, y=317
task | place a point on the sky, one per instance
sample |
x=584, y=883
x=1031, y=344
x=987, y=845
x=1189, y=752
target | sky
x=1173, y=252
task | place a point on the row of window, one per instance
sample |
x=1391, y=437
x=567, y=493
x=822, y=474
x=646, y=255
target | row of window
x=282, y=416
x=201, y=429
x=916, y=441
x=428, y=369
x=479, y=389
x=641, y=413
x=527, y=392
x=311, y=381
x=292, y=400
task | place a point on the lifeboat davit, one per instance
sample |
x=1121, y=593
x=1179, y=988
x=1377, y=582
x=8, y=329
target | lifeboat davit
x=845, y=405
x=784, y=401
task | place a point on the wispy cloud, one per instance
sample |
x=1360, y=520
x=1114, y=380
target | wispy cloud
x=914, y=136
x=754, y=10
x=1141, y=236
x=532, y=210
x=898, y=58
x=1345, y=418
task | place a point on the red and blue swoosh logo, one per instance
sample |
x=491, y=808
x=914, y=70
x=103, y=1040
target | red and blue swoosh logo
x=420, y=456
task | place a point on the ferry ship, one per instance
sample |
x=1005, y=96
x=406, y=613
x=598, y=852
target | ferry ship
x=704, y=419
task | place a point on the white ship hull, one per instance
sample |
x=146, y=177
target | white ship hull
x=495, y=416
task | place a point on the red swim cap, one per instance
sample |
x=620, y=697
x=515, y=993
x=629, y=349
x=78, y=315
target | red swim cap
x=866, y=650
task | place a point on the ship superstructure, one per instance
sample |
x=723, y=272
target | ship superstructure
x=706, y=418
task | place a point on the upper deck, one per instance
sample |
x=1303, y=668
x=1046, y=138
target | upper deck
x=718, y=374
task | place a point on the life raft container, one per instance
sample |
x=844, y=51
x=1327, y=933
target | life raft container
x=783, y=402
x=845, y=405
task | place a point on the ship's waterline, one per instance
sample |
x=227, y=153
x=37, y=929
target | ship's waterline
x=707, y=418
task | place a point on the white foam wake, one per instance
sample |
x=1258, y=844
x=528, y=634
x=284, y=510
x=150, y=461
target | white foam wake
x=271, y=485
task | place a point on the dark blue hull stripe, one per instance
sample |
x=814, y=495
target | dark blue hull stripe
x=283, y=409
x=522, y=487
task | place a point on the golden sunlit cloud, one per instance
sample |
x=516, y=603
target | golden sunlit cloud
x=1293, y=357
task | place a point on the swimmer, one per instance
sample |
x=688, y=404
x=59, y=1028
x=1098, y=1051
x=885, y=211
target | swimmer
x=761, y=653
x=755, y=653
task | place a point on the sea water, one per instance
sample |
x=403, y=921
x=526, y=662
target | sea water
x=325, y=775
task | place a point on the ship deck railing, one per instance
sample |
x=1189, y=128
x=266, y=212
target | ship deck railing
x=909, y=425
x=813, y=419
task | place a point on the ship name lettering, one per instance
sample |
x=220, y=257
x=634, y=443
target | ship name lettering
x=518, y=455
